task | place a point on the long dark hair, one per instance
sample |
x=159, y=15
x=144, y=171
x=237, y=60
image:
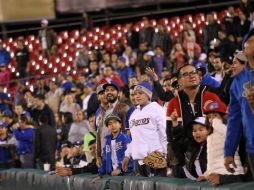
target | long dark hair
x=67, y=117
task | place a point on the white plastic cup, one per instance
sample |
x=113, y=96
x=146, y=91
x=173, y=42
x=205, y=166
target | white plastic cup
x=46, y=167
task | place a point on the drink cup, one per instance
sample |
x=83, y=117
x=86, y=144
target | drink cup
x=46, y=167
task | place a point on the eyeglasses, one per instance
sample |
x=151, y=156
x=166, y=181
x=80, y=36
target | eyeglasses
x=189, y=74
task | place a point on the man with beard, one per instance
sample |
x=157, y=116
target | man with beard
x=111, y=91
x=186, y=106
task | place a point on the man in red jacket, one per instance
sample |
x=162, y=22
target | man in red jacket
x=185, y=107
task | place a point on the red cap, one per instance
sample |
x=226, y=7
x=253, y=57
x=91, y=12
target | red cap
x=212, y=106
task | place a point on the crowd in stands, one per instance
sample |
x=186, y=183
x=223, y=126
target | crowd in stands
x=189, y=98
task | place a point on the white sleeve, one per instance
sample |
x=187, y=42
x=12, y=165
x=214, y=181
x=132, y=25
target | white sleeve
x=160, y=117
x=128, y=150
x=219, y=127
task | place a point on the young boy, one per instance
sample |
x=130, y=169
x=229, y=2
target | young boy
x=195, y=157
x=114, y=149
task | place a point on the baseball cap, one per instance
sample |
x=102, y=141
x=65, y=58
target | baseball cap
x=112, y=116
x=45, y=21
x=200, y=66
x=122, y=59
x=78, y=143
x=240, y=56
x=99, y=89
x=7, y=113
x=88, y=84
x=199, y=120
x=213, y=106
x=3, y=125
x=112, y=83
x=151, y=53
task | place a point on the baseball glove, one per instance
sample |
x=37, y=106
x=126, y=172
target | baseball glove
x=155, y=160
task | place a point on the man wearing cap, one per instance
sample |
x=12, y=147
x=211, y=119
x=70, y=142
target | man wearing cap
x=112, y=91
x=123, y=70
x=237, y=65
x=7, y=147
x=22, y=58
x=206, y=79
x=148, y=131
x=241, y=109
x=47, y=38
x=8, y=119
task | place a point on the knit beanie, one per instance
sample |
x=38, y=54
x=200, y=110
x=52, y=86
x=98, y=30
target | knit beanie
x=146, y=88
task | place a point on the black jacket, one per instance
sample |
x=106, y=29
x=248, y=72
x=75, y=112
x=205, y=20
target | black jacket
x=162, y=94
x=35, y=113
x=90, y=168
x=194, y=150
x=45, y=144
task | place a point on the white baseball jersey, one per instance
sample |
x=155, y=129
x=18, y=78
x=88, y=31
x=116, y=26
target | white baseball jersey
x=148, y=131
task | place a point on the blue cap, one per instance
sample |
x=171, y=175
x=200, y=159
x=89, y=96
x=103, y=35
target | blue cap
x=247, y=37
x=88, y=84
x=112, y=116
x=200, y=66
x=67, y=85
x=3, y=125
x=112, y=83
x=7, y=113
x=122, y=59
x=26, y=113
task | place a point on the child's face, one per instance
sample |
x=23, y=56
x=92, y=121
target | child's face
x=114, y=126
x=199, y=133
x=3, y=130
x=92, y=149
x=212, y=116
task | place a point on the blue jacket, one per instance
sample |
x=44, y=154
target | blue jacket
x=240, y=114
x=208, y=80
x=125, y=73
x=4, y=57
x=25, y=140
x=5, y=153
x=121, y=143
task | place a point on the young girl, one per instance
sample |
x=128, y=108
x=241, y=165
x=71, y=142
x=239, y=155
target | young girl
x=216, y=171
x=195, y=161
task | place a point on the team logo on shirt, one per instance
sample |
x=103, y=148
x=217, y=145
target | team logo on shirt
x=118, y=146
x=136, y=122
x=246, y=87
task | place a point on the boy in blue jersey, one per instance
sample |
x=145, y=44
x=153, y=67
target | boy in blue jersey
x=114, y=149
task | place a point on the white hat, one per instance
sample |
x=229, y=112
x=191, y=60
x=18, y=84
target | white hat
x=151, y=53
x=45, y=21
x=239, y=55
x=202, y=57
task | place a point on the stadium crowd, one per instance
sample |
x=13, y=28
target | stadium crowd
x=155, y=107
